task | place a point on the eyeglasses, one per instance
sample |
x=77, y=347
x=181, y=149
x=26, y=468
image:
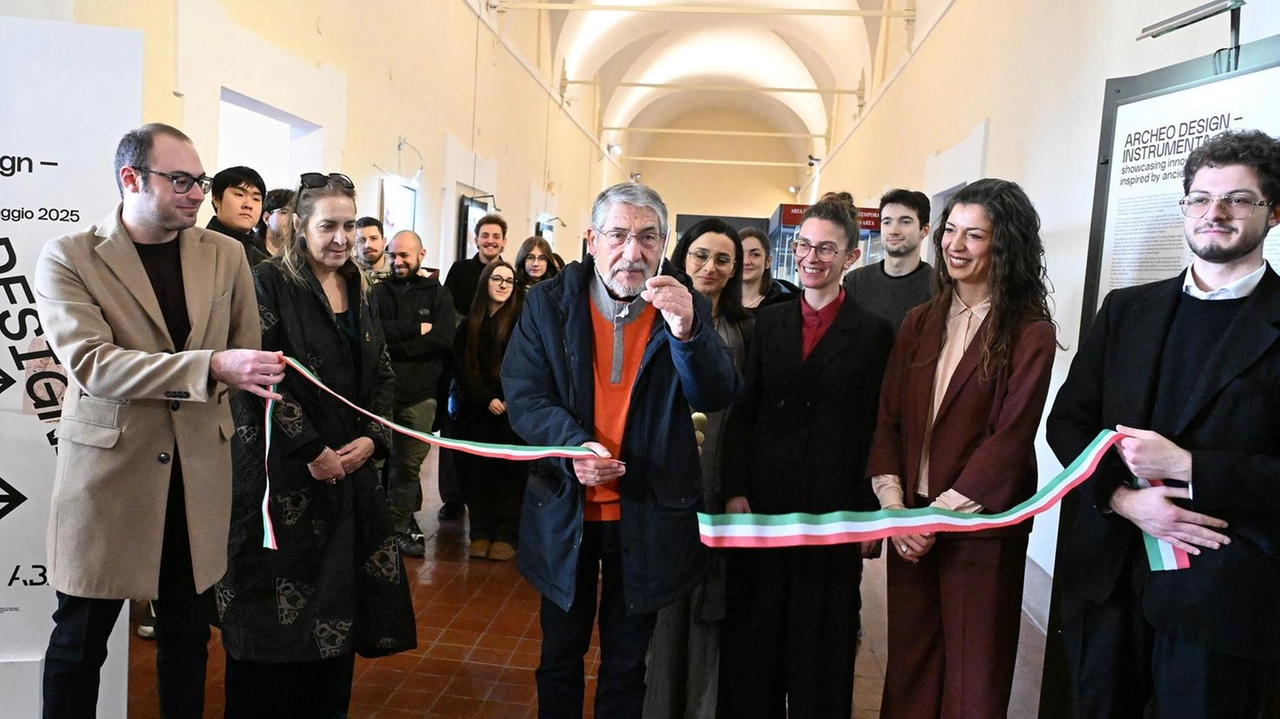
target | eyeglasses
x=1237, y=207
x=619, y=238
x=182, y=182
x=827, y=251
x=535, y=258
x=502, y=281
x=701, y=257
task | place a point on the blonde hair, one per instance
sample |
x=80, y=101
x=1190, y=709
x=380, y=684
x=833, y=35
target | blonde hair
x=293, y=258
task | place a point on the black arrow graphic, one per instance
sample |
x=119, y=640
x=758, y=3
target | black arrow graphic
x=10, y=498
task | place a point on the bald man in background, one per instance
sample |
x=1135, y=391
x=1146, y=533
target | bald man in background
x=418, y=318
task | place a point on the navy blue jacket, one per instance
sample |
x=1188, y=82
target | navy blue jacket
x=549, y=383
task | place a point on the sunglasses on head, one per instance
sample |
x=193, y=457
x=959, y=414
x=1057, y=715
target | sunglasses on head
x=316, y=180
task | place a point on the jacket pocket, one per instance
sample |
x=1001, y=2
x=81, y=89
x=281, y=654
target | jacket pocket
x=545, y=484
x=71, y=429
x=684, y=496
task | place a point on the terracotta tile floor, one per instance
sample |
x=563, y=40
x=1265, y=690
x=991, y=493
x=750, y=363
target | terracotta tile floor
x=478, y=639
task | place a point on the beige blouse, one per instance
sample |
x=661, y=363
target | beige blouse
x=962, y=325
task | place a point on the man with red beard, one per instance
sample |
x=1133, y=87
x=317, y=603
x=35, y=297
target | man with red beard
x=1187, y=369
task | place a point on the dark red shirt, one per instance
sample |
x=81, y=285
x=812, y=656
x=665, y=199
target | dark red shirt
x=816, y=322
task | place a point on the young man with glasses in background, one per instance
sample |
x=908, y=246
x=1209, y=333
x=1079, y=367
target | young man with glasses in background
x=611, y=354
x=154, y=322
x=798, y=441
x=1187, y=369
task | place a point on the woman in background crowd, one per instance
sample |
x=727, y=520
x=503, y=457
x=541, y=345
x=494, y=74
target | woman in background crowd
x=759, y=289
x=492, y=488
x=684, y=654
x=292, y=618
x=959, y=408
x=534, y=263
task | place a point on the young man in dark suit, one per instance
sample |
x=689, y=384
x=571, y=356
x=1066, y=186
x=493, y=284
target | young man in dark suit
x=798, y=442
x=1187, y=368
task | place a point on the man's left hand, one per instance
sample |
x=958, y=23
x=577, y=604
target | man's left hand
x=1152, y=456
x=674, y=301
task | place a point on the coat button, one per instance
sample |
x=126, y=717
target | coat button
x=164, y=458
x=175, y=405
x=782, y=403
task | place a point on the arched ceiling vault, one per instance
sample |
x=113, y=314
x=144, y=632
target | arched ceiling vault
x=652, y=68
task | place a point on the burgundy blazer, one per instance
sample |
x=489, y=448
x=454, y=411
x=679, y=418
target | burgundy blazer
x=983, y=443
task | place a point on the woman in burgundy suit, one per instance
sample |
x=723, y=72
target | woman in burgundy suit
x=959, y=408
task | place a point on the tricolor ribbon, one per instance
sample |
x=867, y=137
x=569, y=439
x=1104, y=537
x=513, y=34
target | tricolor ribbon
x=800, y=529
x=1161, y=555
x=483, y=449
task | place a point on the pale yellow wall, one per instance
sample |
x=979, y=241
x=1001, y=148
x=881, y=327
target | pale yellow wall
x=731, y=190
x=1035, y=72
x=427, y=71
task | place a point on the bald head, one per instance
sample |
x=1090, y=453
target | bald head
x=406, y=253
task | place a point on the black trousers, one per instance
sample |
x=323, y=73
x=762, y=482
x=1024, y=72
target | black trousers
x=305, y=690
x=566, y=637
x=1122, y=667
x=78, y=645
x=790, y=633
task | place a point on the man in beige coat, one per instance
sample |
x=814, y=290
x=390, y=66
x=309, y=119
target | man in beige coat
x=155, y=322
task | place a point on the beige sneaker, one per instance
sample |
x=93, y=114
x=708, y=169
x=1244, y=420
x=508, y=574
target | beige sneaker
x=479, y=548
x=501, y=551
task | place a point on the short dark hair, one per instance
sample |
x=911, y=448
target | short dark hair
x=838, y=212
x=492, y=219
x=134, y=149
x=1252, y=148
x=364, y=222
x=278, y=199
x=238, y=176
x=914, y=200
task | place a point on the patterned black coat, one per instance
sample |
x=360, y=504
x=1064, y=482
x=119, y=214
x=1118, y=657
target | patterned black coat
x=337, y=582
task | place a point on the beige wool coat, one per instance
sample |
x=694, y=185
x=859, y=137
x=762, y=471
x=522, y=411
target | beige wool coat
x=132, y=398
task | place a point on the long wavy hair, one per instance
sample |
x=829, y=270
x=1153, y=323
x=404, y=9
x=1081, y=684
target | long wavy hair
x=503, y=321
x=1019, y=282
x=731, y=296
x=293, y=258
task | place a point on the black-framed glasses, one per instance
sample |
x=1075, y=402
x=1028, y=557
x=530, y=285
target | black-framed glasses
x=316, y=180
x=182, y=182
x=619, y=238
x=827, y=251
x=1237, y=207
x=702, y=257
x=502, y=281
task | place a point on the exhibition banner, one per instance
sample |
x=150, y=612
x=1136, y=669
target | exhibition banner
x=67, y=94
x=1144, y=239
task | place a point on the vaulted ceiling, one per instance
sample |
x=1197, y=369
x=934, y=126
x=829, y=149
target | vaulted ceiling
x=661, y=61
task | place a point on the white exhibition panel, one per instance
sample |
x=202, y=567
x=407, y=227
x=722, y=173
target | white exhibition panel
x=67, y=94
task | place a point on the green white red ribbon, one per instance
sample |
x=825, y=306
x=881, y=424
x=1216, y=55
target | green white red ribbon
x=799, y=529
x=1161, y=555
x=520, y=453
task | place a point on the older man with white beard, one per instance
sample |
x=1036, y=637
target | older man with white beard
x=611, y=355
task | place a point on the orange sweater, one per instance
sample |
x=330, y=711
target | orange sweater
x=613, y=400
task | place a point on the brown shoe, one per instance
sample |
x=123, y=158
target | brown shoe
x=479, y=548
x=501, y=551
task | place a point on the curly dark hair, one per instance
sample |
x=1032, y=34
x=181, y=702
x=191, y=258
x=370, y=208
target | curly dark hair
x=1252, y=148
x=1019, y=282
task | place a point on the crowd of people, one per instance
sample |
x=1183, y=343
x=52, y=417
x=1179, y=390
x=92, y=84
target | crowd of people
x=196, y=471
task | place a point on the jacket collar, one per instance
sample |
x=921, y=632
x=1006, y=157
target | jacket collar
x=197, y=257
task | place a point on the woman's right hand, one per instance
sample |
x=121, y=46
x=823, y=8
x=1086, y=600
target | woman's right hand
x=327, y=467
x=737, y=505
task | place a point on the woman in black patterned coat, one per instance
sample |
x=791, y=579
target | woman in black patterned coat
x=293, y=617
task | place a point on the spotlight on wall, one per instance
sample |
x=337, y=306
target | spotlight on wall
x=635, y=177
x=792, y=189
x=814, y=160
x=613, y=149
